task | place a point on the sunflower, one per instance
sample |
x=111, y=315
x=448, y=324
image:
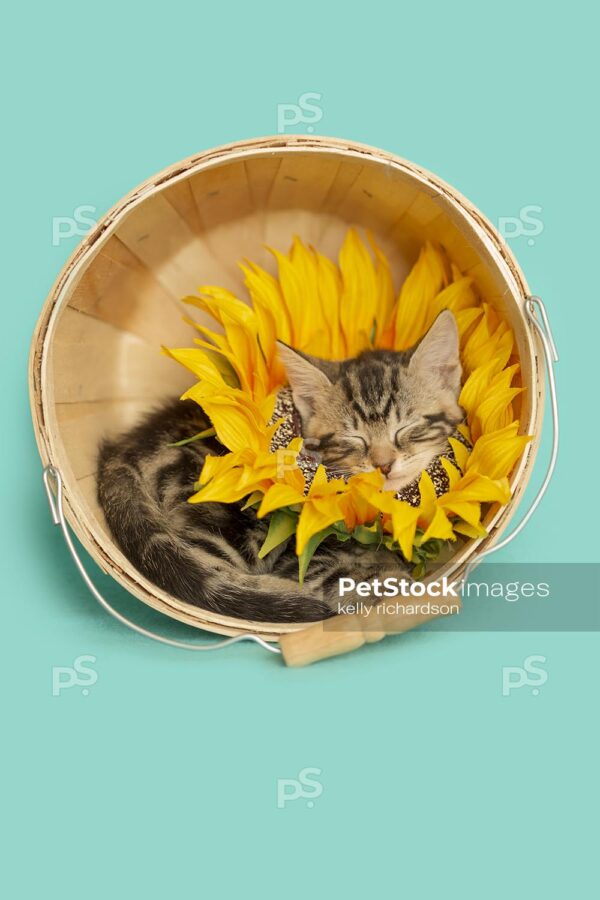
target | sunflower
x=334, y=311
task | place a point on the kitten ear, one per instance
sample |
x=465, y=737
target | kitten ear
x=307, y=375
x=437, y=356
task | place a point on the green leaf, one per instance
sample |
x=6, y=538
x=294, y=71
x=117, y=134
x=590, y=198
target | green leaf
x=253, y=500
x=368, y=534
x=309, y=551
x=431, y=550
x=341, y=532
x=419, y=570
x=281, y=526
x=224, y=366
x=209, y=432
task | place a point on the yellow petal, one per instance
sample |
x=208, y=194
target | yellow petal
x=485, y=344
x=465, y=431
x=266, y=294
x=476, y=385
x=479, y=488
x=314, y=519
x=470, y=531
x=453, y=473
x=217, y=301
x=494, y=412
x=496, y=454
x=321, y=486
x=440, y=527
x=404, y=525
x=293, y=297
x=279, y=495
x=217, y=465
x=330, y=293
x=428, y=498
x=457, y=296
x=461, y=453
x=234, y=427
x=358, y=303
x=470, y=511
x=465, y=320
x=384, y=289
x=226, y=489
x=197, y=362
x=423, y=283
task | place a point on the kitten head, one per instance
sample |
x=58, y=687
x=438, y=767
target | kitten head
x=382, y=409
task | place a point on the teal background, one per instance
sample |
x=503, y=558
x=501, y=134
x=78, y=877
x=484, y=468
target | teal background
x=162, y=779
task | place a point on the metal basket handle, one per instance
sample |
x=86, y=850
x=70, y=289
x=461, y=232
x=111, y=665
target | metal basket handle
x=54, y=490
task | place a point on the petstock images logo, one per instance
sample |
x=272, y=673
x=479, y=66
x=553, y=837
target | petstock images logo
x=495, y=597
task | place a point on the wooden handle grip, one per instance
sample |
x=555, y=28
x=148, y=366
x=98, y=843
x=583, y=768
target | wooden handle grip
x=350, y=631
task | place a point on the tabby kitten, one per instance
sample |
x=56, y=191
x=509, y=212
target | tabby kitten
x=382, y=409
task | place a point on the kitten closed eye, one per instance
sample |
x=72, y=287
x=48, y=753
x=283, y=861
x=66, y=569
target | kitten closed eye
x=418, y=436
x=359, y=439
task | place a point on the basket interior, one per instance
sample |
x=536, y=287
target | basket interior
x=102, y=363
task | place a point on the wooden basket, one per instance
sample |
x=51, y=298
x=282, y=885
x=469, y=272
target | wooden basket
x=95, y=364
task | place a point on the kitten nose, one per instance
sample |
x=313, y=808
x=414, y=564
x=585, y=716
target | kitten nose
x=386, y=468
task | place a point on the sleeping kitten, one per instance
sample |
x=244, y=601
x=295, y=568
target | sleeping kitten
x=381, y=409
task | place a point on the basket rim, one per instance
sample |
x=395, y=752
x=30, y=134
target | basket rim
x=96, y=543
